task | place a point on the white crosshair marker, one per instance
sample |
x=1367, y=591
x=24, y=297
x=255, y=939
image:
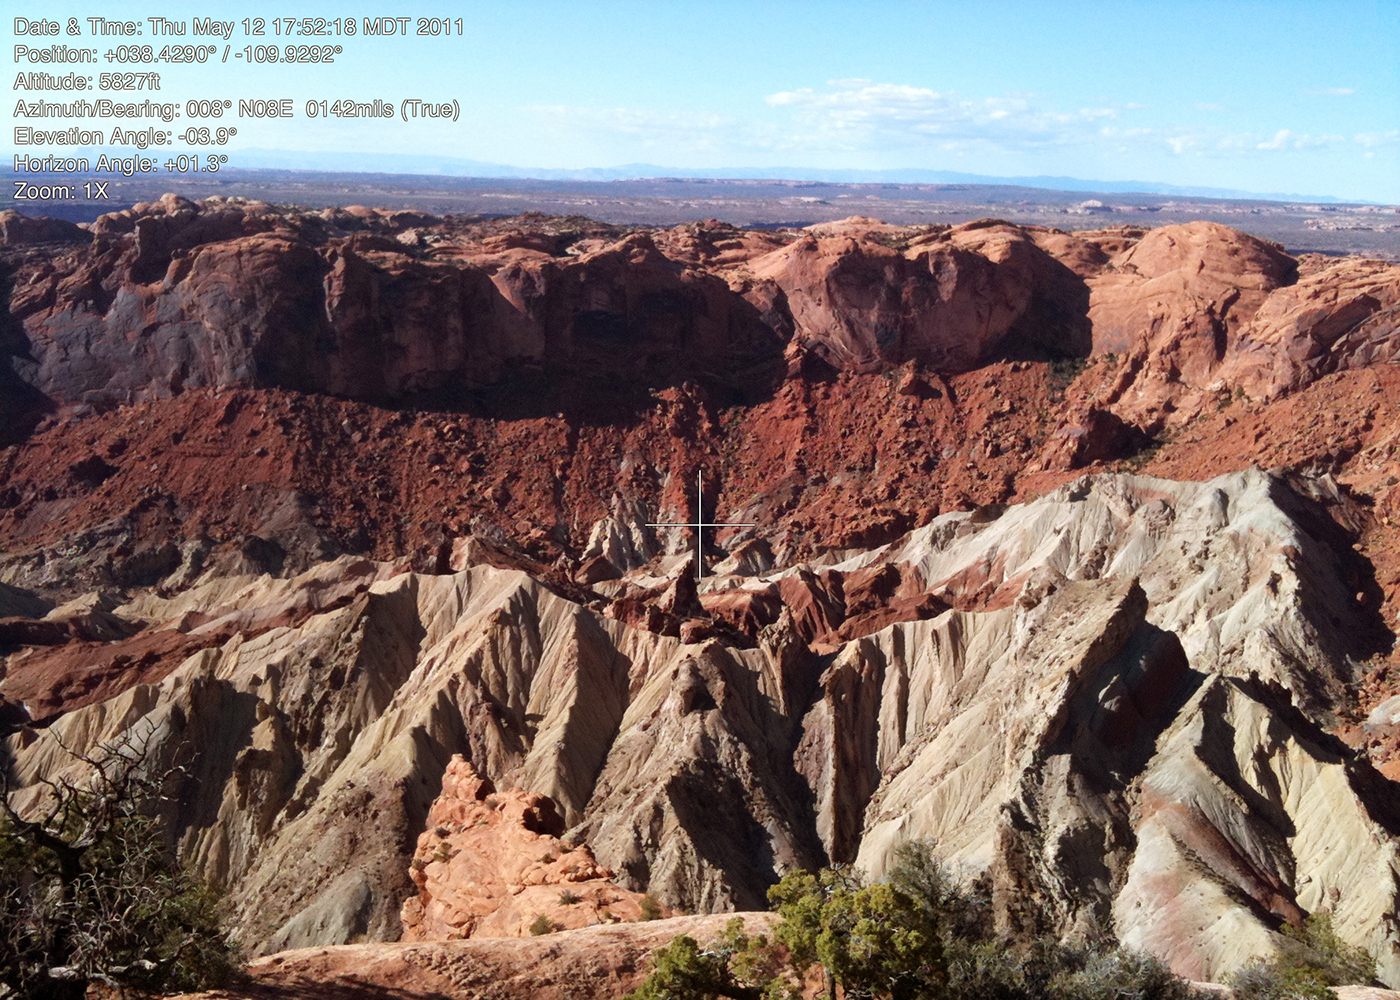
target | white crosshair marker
x=700, y=524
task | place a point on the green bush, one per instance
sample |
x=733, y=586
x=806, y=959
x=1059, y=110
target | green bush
x=871, y=939
x=89, y=896
x=1050, y=970
x=651, y=909
x=920, y=935
x=1313, y=960
x=960, y=911
x=568, y=898
x=541, y=925
x=734, y=966
x=874, y=940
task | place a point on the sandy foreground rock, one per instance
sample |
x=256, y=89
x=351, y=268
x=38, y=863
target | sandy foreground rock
x=592, y=963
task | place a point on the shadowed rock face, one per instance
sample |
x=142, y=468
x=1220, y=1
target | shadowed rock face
x=360, y=317
x=1108, y=694
x=177, y=294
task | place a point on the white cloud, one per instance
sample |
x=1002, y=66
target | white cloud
x=670, y=130
x=1217, y=143
x=863, y=113
x=1288, y=139
x=853, y=119
x=1371, y=140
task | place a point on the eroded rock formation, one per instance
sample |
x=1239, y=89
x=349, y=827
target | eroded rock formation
x=1145, y=704
x=491, y=864
x=1056, y=713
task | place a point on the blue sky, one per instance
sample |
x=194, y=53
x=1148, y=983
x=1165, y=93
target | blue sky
x=1271, y=97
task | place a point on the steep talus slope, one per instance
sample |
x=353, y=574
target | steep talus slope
x=318, y=500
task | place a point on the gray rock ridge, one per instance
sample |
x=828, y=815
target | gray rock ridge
x=1116, y=714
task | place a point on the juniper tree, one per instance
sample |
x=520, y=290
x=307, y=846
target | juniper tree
x=89, y=892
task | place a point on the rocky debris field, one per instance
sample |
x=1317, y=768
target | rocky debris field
x=1073, y=553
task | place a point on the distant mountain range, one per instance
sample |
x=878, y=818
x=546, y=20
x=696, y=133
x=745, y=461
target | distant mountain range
x=406, y=163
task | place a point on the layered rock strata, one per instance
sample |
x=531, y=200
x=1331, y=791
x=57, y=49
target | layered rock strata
x=321, y=500
x=1112, y=710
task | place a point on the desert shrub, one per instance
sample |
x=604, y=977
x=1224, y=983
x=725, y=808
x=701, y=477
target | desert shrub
x=1120, y=974
x=1278, y=981
x=960, y=911
x=734, y=966
x=1047, y=969
x=89, y=895
x=873, y=940
x=1313, y=960
x=1061, y=372
x=541, y=925
x=568, y=898
x=979, y=970
x=920, y=935
x=651, y=909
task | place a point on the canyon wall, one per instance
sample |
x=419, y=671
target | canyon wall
x=313, y=503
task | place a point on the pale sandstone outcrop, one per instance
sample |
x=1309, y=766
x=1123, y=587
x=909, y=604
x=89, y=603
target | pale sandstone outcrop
x=1057, y=741
x=1043, y=728
x=318, y=749
x=1236, y=565
x=1273, y=815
